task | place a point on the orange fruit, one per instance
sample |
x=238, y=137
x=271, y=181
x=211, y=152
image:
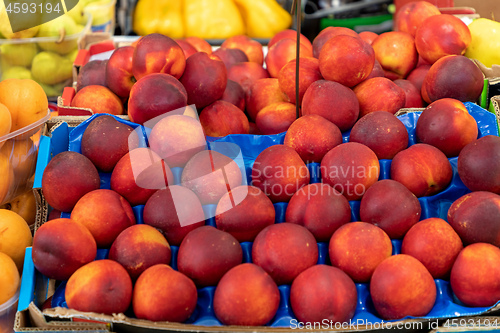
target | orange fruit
x=26, y=101
x=15, y=236
x=9, y=278
x=5, y=120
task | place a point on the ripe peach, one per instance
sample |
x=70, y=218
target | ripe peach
x=368, y=36
x=263, y=92
x=401, y=286
x=382, y=132
x=119, y=77
x=66, y=178
x=204, y=78
x=107, y=205
x=139, y=174
x=101, y=286
x=311, y=302
x=119, y=138
x=328, y=33
x=417, y=76
x=276, y=118
x=206, y=254
x=473, y=216
x=446, y=124
x=319, y=208
x=92, y=73
x=377, y=71
x=423, y=169
x=175, y=211
x=222, y=118
x=284, y=250
x=347, y=60
x=357, y=248
x=279, y=172
x=350, y=168
x=396, y=52
x=441, y=35
x=252, y=48
x=234, y=94
x=155, y=95
x=244, y=212
x=312, y=136
x=411, y=15
x=333, y=101
x=156, y=53
x=210, y=175
x=199, y=44
x=246, y=295
x=479, y=164
x=230, y=56
x=139, y=247
x=308, y=73
x=413, y=97
x=98, y=98
x=424, y=241
x=246, y=73
x=473, y=276
x=455, y=77
x=379, y=94
x=59, y=260
x=169, y=139
x=390, y=206
x=289, y=33
x=186, y=47
x=282, y=52
x=162, y=294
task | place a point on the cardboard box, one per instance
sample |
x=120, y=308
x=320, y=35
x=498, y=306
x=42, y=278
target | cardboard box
x=36, y=288
x=485, y=8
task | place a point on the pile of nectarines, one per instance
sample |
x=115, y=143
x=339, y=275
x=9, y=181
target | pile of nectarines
x=326, y=212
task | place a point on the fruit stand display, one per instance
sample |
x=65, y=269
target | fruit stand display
x=218, y=189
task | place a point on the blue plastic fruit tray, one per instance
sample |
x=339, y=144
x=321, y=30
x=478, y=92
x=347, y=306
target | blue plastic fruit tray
x=446, y=306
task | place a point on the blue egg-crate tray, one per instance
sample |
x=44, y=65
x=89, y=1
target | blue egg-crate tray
x=446, y=306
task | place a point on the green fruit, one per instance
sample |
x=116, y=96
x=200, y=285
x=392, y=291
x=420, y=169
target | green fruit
x=16, y=72
x=53, y=90
x=62, y=28
x=51, y=68
x=18, y=54
x=72, y=55
x=77, y=13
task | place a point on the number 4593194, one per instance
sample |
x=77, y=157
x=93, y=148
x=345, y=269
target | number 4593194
x=33, y=8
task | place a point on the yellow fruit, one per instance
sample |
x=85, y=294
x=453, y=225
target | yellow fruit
x=24, y=205
x=15, y=236
x=7, y=179
x=9, y=278
x=22, y=155
x=485, y=43
x=5, y=121
x=26, y=101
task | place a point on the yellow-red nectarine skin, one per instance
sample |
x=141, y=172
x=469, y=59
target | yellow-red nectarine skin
x=244, y=212
x=59, y=259
x=284, y=250
x=246, y=295
x=474, y=276
x=99, y=99
x=138, y=248
x=263, y=92
x=401, y=286
x=389, y=205
x=319, y=208
x=396, y=53
x=276, y=118
x=163, y=294
x=411, y=15
x=426, y=241
x=308, y=73
x=323, y=293
x=326, y=34
x=222, y=118
x=101, y=286
x=357, y=248
x=157, y=53
x=119, y=77
x=282, y=52
x=252, y=48
x=379, y=94
x=279, y=172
